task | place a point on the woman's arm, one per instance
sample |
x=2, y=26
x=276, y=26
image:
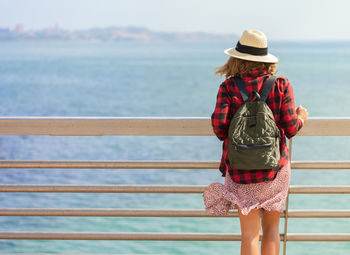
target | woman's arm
x=289, y=120
x=220, y=119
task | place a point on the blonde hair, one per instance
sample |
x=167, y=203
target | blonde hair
x=236, y=66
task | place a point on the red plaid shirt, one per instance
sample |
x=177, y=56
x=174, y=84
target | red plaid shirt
x=281, y=102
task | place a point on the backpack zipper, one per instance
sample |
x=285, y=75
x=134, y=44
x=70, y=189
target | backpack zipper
x=251, y=116
x=251, y=146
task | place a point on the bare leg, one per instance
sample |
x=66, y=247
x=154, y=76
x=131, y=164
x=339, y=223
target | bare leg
x=270, y=243
x=250, y=228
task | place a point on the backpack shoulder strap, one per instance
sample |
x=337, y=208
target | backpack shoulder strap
x=267, y=88
x=242, y=89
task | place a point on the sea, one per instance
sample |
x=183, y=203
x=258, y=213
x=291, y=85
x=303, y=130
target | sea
x=156, y=79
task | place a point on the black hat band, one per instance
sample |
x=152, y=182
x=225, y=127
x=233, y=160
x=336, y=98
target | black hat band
x=251, y=50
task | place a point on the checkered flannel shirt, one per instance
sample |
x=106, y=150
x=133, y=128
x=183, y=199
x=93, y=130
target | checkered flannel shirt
x=281, y=102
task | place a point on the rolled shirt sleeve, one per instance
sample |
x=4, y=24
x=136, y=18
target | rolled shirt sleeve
x=289, y=120
x=220, y=119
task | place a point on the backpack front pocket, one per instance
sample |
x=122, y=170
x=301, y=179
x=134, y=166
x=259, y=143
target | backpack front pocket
x=254, y=156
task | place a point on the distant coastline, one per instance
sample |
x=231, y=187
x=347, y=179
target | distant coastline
x=112, y=33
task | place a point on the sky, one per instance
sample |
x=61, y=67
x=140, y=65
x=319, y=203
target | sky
x=279, y=20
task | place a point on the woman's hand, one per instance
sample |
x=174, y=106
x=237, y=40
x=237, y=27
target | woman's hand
x=302, y=113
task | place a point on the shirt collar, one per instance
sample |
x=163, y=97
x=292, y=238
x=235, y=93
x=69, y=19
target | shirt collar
x=254, y=73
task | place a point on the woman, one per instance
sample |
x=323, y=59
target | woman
x=256, y=193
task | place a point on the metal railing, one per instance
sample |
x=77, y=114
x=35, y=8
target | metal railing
x=97, y=126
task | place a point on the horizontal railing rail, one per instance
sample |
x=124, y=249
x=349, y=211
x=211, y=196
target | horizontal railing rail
x=154, y=126
x=127, y=212
x=151, y=236
x=151, y=126
x=154, y=164
x=122, y=188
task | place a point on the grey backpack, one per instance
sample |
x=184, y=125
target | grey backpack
x=254, y=138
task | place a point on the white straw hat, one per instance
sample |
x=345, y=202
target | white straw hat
x=252, y=46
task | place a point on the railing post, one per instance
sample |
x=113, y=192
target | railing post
x=287, y=203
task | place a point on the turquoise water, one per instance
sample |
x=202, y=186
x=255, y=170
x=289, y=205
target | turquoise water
x=155, y=79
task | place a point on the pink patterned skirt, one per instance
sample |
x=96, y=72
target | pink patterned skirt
x=271, y=195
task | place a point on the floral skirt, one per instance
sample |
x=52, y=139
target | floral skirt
x=271, y=195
